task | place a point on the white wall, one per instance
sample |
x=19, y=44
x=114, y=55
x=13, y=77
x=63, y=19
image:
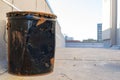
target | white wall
x=3, y=9
x=118, y=36
x=106, y=34
x=113, y=21
x=60, y=40
x=118, y=23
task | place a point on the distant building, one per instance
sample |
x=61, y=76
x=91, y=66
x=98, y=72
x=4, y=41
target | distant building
x=69, y=38
x=99, y=32
x=73, y=41
x=89, y=41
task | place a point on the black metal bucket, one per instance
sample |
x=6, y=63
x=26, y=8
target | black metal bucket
x=31, y=42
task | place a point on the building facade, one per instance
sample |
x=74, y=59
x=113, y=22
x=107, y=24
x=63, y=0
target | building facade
x=68, y=38
x=99, y=32
x=111, y=23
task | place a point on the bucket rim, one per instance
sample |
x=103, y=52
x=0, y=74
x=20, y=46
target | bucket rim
x=35, y=13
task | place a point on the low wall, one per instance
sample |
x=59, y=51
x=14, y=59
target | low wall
x=84, y=45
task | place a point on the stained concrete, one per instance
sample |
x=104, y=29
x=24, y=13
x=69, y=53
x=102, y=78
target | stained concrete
x=77, y=64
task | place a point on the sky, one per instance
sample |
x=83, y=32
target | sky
x=78, y=18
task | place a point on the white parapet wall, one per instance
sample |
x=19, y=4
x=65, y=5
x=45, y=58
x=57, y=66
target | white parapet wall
x=84, y=45
x=60, y=40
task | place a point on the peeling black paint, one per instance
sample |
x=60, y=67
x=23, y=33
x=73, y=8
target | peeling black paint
x=30, y=47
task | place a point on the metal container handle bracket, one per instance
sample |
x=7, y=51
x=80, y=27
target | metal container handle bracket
x=4, y=34
x=7, y=26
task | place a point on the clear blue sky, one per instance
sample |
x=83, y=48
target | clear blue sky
x=78, y=18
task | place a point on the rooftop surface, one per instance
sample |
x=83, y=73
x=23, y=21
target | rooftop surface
x=78, y=64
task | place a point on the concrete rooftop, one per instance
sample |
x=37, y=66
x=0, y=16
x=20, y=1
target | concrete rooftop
x=78, y=64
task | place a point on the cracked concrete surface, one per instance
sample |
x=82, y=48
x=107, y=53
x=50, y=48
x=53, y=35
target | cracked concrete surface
x=77, y=64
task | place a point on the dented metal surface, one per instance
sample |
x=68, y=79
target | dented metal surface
x=31, y=43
